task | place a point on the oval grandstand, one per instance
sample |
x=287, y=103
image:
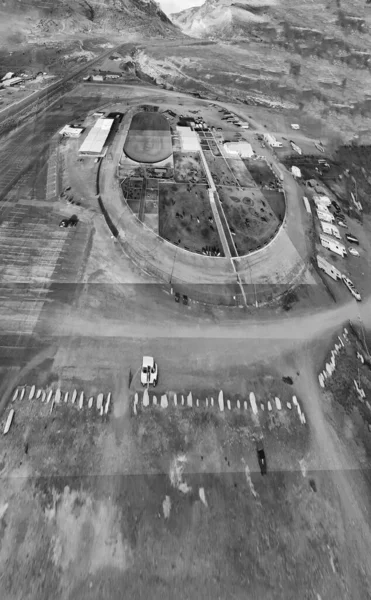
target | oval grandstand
x=148, y=139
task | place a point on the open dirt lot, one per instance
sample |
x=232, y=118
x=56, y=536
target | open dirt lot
x=188, y=168
x=168, y=499
x=186, y=218
x=250, y=217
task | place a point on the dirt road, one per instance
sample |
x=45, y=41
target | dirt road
x=341, y=467
x=150, y=324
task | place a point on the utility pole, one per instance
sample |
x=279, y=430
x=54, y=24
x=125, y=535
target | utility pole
x=172, y=270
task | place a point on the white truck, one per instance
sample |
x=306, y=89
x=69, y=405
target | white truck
x=330, y=229
x=328, y=268
x=149, y=372
x=332, y=244
x=271, y=141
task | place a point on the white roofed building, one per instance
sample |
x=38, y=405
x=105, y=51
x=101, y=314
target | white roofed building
x=238, y=149
x=69, y=131
x=188, y=139
x=96, y=138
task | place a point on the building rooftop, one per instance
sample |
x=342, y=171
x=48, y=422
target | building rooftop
x=96, y=138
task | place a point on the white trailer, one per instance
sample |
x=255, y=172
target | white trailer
x=307, y=205
x=271, y=140
x=321, y=200
x=325, y=216
x=333, y=245
x=330, y=229
x=328, y=268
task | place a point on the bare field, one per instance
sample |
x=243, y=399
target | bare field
x=219, y=169
x=171, y=498
x=188, y=168
x=249, y=217
x=241, y=173
x=185, y=216
x=260, y=172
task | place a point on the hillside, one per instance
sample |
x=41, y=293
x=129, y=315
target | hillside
x=26, y=20
x=224, y=18
x=243, y=19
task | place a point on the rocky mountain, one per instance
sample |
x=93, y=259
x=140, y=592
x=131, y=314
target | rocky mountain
x=27, y=17
x=223, y=17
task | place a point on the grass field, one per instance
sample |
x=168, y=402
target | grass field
x=250, y=218
x=148, y=139
x=188, y=168
x=260, y=172
x=276, y=201
x=241, y=172
x=184, y=217
x=219, y=170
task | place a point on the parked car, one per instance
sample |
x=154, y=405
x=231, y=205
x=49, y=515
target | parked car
x=71, y=222
x=149, y=372
x=353, y=251
x=261, y=457
x=336, y=206
x=352, y=239
x=342, y=224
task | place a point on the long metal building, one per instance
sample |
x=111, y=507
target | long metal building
x=96, y=138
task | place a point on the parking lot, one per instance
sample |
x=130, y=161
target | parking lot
x=39, y=261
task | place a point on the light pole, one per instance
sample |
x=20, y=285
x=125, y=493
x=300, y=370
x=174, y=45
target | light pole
x=172, y=270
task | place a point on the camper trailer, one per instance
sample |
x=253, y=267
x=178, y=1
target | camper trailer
x=307, y=205
x=325, y=216
x=333, y=245
x=328, y=268
x=330, y=229
x=271, y=141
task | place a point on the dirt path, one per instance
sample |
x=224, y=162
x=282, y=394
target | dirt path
x=342, y=467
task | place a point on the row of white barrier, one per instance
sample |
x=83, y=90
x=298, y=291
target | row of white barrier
x=331, y=365
x=56, y=396
x=189, y=402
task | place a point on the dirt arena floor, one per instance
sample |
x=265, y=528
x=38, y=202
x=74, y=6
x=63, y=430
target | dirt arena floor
x=148, y=139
